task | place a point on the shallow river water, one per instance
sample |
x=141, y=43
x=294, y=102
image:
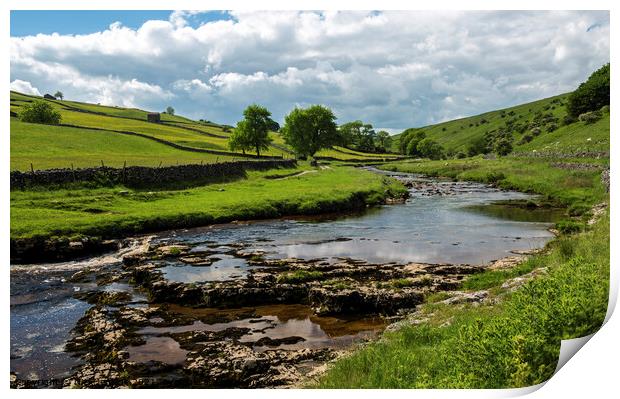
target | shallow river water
x=446, y=223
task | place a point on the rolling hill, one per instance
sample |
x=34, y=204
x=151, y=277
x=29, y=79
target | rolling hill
x=90, y=134
x=456, y=135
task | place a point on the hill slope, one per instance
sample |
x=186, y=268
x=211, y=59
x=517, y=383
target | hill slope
x=92, y=133
x=456, y=135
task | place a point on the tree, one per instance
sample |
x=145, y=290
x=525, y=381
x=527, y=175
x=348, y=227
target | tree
x=413, y=140
x=59, y=95
x=238, y=140
x=170, y=110
x=591, y=95
x=404, y=140
x=429, y=148
x=273, y=125
x=350, y=133
x=367, y=137
x=503, y=147
x=253, y=131
x=311, y=129
x=477, y=146
x=39, y=111
x=384, y=141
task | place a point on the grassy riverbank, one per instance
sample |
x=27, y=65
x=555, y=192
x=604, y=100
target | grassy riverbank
x=512, y=339
x=119, y=211
x=564, y=187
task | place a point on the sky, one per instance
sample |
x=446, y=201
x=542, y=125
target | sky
x=393, y=69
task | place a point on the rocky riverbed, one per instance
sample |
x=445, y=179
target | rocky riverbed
x=232, y=308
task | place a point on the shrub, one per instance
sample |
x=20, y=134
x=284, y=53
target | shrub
x=39, y=111
x=551, y=127
x=568, y=119
x=503, y=147
x=526, y=138
x=477, y=146
x=590, y=117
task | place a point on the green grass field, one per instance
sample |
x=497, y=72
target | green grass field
x=348, y=154
x=31, y=144
x=108, y=212
x=174, y=129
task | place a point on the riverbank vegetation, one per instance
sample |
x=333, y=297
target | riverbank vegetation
x=120, y=211
x=512, y=338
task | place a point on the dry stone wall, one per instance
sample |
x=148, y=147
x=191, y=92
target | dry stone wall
x=141, y=176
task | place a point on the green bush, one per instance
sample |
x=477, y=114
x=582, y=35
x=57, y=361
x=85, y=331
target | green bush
x=590, y=117
x=39, y=111
x=526, y=138
x=568, y=119
x=503, y=147
x=551, y=127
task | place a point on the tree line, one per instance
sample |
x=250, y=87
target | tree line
x=306, y=130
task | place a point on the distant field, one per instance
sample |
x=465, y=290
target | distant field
x=48, y=147
x=345, y=154
x=33, y=143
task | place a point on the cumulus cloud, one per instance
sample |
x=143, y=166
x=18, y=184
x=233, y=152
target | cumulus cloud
x=24, y=87
x=392, y=69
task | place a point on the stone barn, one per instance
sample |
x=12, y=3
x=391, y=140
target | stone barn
x=153, y=117
x=49, y=97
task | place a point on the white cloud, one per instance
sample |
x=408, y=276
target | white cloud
x=392, y=69
x=24, y=87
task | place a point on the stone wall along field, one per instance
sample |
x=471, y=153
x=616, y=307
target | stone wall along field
x=141, y=176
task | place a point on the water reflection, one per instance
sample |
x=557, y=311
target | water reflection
x=226, y=267
x=428, y=228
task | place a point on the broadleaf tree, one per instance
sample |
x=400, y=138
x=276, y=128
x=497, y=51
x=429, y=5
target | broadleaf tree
x=252, y=132
x=384, y=141
x=310, y=130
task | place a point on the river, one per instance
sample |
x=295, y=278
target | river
x=441, y=222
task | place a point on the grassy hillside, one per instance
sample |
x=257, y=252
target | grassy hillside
x=95, y=137
x=575, y=137
x=457, y=134
x=32, y=143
